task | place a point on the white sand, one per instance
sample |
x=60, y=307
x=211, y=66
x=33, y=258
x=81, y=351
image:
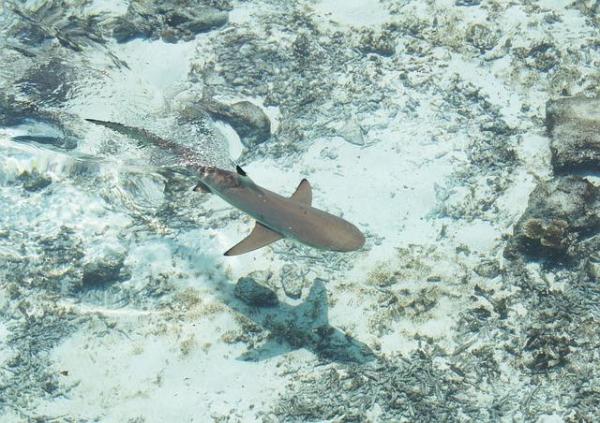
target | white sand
x=165, y=364
x=353, y=12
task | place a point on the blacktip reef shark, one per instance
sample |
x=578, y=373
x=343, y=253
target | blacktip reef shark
x=276, y=216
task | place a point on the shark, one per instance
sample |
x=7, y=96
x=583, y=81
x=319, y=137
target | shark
x=276, y=216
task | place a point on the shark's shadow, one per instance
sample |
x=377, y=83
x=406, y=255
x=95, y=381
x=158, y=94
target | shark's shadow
x=291, y=327
x=305, y=325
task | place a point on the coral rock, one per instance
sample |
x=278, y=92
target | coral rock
x=561, y=218
x=252, y=293
x=574, y=124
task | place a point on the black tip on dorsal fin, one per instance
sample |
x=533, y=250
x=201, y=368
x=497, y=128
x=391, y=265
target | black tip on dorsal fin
x=240, y=171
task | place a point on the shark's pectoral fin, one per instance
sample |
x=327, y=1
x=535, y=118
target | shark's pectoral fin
x=200, y=187
x=303, y=193
x=258, y=238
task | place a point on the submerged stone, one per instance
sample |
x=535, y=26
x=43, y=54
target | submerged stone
x=562, y=216
x=202, y=20
x=481, y=37
x=352, y=132
x=34, y=181
x=574, y=125
x=542, y=56
x=172, y=23
x=254, y=294
x=247, y=119
x=382, y=43
x=126, y=29
x=102, y=271
x=292, y=281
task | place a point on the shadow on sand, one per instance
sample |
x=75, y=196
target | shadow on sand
x=305, y=325
x=291, y=327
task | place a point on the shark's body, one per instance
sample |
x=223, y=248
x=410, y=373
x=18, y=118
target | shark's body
x=277, y=216
x=280, y=217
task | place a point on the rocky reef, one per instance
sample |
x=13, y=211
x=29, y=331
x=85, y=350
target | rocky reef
x=561, y=222
x=168, y=21
x=574, y=125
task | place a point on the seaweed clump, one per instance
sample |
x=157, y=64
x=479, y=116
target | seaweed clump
x=393, y=389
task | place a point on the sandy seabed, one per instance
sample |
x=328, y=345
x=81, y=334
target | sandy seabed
x=424, y=123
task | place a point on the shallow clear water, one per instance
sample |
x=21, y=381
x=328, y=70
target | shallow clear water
x=459, y=137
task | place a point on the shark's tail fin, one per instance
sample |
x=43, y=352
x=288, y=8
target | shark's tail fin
x=118, y=127
x=143, y=137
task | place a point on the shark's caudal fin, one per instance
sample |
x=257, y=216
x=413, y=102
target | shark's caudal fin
x=258, y=238
x=143, y=137
x=117, y=127
x=303, y=193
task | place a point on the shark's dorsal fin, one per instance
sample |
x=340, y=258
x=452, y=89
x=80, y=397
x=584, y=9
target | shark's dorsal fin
x=303, y=193
x=240, y=171
x=258, y=238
